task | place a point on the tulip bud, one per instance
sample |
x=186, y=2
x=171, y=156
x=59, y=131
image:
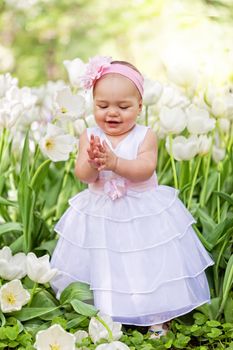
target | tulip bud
x=173, y=120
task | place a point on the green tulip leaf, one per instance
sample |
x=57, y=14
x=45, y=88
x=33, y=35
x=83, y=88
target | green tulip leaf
x=76, y=290
x=83, y=308
x=33, y=312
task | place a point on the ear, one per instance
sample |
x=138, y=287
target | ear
x=140, y=104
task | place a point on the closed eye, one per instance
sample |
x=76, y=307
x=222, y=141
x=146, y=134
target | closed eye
x=125, y=107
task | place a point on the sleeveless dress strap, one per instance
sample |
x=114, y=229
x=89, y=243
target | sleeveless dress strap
x=140, y=134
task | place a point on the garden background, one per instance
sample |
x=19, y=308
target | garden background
x=184, y=49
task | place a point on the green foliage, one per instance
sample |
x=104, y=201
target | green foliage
x=12, y=335
x=76, y=290
x=44, y=35
x=200, y=335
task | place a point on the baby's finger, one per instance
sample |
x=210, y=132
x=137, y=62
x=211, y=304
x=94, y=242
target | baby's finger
x=99, y=160
x=92, y=161
x=101, y=148
x=101, y=167
x=90, y=153
x=98, y=154
x=92, y=139
x=97, y=141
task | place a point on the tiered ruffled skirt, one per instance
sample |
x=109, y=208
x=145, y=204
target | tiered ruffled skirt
x=139, y=254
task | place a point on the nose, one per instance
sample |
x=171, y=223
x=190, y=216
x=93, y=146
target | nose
x=113, y=111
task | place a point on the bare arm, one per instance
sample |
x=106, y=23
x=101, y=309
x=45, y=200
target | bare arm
x=83, y=169
x=139, y=169
x=143, y=167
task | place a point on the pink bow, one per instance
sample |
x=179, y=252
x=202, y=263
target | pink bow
x=94, y=70
x=115, y=188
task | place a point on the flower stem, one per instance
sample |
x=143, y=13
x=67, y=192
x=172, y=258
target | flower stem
x=218, y=198
x=173, y=162
x=161, y=148
x=203, y=192
x=106, y=326
x=33, y=292
x=3, y=141
x=230, y=138
x=63, y=184
x=194, y=181
x=2, y=318
x=160, y=175
x=207, y=168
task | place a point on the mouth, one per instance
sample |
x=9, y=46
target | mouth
x=112, y=122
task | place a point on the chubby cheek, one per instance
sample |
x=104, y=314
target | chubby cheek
x=99, y=118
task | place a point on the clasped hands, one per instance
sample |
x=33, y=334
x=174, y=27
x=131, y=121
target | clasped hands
x=101, y=157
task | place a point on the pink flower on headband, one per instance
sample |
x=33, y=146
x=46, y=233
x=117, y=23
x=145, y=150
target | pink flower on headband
x=94, y=70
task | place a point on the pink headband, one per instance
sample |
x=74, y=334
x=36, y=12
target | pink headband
x=99, y=66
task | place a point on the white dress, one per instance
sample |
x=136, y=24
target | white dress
x=134, y=244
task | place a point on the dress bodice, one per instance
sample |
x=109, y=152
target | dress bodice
x=127, y=148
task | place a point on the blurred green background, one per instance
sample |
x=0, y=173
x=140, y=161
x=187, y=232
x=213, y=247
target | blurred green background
x=37, y=35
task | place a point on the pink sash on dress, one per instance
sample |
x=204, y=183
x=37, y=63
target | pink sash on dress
x=117, y=187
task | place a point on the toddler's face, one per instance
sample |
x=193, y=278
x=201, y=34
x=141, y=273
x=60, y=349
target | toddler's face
x=117, y=104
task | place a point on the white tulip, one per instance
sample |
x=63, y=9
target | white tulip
x=14, y=104
x=210, y=93
x=56, y=145
x=54, y=338
x=152, y=92
x=199, y=101
x=229, y=106
x=12, y=267
x=220, y=101
x=158, y=129
x=39, y=269
x=90, y=119
x=6, y=82
x=198, y=120
x=173, y=120
x=224, y=124
x=97, y=330
x=79, y=126
x=69, y=105
x=184, y=74
x=172, y=97
x=204, y=144
x=115, y=345
x=23, y=96
x=45, y=99
x=13, y=296
x=183, y=148
x=218, y=107
x=75, y=68
x=88, y=95
x=218, y=154
x=10, y=112
x=79, y=335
